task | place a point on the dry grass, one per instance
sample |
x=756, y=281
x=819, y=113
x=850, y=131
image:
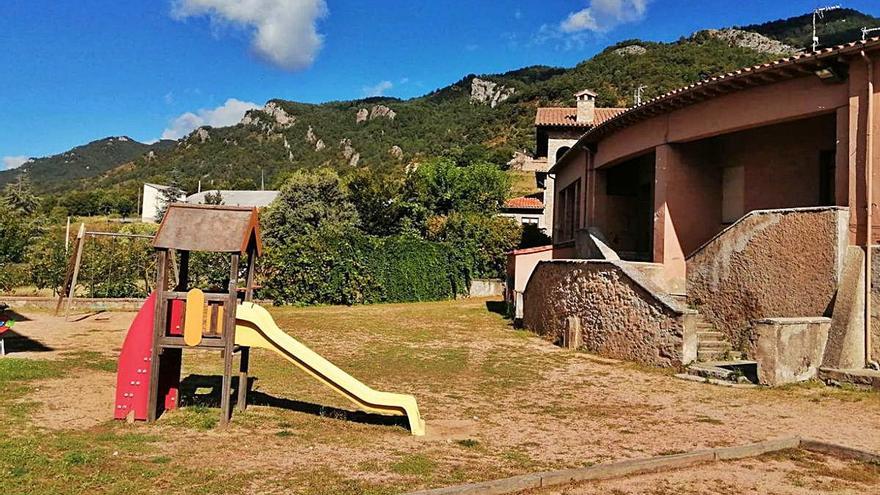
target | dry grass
x=497, y=402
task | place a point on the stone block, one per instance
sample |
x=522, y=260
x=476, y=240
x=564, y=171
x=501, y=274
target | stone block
x=789, y=350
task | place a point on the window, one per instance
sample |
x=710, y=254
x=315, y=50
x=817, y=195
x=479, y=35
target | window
x=568, y=214
x=561, y=151
x=530, y=220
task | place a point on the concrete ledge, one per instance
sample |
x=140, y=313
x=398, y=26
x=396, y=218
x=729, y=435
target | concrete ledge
x=614, y=469
x=839, y=451
x=649, y=465
x=861, y=378
x=756, y=449
x=80, y=304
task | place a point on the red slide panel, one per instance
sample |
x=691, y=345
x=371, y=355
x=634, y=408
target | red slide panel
x=133, y=370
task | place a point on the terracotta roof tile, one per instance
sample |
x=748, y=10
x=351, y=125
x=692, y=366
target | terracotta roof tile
x=567, y=116
x=686, y=95
x=524, y=202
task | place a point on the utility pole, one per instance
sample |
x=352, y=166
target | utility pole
x=820, y=13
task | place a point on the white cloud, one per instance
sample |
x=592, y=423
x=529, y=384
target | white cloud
x=10, y=162
x=378, y=89
x=604, y=15
x=285, y=32
x=230, y=113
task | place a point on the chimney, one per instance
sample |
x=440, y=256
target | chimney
x=586, y=106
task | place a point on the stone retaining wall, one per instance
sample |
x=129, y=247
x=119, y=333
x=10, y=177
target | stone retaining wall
x=619, y=315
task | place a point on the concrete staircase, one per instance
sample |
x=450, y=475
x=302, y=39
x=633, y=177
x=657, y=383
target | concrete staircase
x=712, y=345
x=716, y=359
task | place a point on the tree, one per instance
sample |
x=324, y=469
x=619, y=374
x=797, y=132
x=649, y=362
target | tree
x=308, y=201
x=441, y=186
x=171, y=193
x=19, y=196
x=213, y=198
x=379, y=202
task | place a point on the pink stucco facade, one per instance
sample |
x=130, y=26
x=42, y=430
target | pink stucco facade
x=786, y=139
x=660, y=182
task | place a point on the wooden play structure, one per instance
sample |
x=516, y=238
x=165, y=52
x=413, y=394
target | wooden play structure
x=178, y=318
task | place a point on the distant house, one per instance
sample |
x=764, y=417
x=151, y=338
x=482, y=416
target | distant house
x=556, y=131
x=153, y=201
x=259, y=199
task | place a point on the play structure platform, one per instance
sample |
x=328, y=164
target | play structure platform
x=148, y=376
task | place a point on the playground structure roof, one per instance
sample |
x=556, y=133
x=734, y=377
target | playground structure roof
x=209, y=228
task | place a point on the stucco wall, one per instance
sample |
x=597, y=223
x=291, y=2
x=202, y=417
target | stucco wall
x=772, y=263
x=618, y=316
x=875, y=303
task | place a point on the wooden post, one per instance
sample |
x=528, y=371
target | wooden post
x=244, y=358
x=159, y=325
x=81, y=240
x=229, y=343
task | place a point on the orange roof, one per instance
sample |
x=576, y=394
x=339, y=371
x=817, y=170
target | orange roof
x=524, y=202
x=567, y=116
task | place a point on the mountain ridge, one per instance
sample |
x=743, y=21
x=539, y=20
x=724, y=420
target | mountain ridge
x=479, y=117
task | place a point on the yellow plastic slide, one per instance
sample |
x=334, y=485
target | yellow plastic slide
x=256, y=328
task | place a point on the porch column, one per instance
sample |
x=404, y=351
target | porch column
x=667, y=248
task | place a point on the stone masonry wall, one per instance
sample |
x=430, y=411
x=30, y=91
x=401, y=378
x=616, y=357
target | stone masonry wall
x=773, y=263
x=619, y=318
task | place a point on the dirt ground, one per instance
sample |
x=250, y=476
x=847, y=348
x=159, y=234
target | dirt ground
x=497, y=402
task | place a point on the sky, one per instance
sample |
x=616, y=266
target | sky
x=73, y=71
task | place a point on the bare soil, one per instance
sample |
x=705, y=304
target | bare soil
x=497, y=402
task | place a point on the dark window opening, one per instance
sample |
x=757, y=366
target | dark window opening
x=568, y=214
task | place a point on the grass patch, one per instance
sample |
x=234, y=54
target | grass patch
x=468, y=443
x=200, y=418
x=414, y=465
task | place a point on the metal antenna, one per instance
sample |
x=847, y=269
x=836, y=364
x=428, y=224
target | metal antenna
x=638, y=94
x=866, y=30
x=820, y=13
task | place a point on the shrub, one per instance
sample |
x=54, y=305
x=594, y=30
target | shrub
x=331, y=266
x=478, y=241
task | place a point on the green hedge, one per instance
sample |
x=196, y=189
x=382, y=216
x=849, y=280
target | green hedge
x=336, y=267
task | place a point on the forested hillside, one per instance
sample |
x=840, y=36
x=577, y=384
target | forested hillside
x=836, y=27
x=56, y=172
x=485, y=117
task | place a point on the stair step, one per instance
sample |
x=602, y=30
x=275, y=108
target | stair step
x=710, y=335
x=711, y=355
x=713, y=344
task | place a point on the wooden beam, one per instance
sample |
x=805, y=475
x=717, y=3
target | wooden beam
x=245, y=356
x=160, y=317
x=80, y=245
x=229, y=340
